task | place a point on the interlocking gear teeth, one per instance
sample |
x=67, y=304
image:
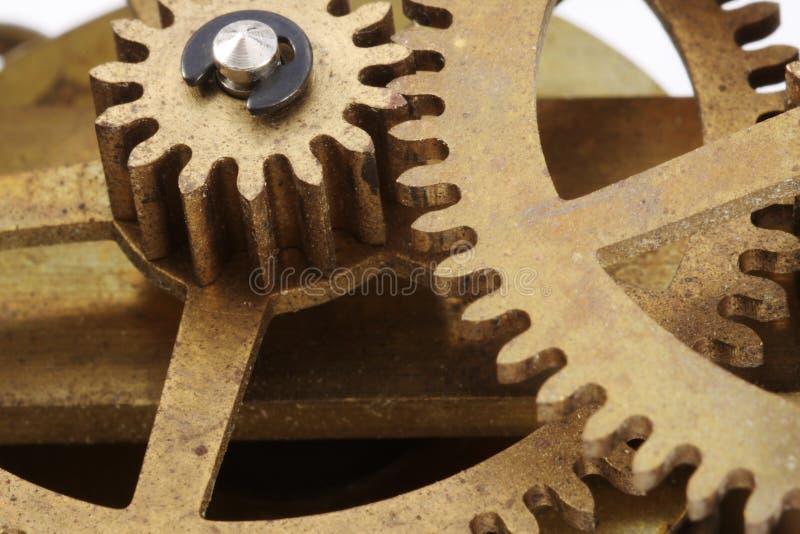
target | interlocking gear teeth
x=325, y=180
x=633, y=370
x=767, y=64
x=554, y=466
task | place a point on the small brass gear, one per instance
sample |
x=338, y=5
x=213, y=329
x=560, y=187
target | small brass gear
x=191, y=163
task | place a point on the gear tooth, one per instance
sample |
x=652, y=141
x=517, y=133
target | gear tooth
x=616, y=467
x=116, y=73
x=488, y=317
x=380, y=98
x=385, y=54
x=767, y=65
x=438, y=195
x=526, y=356
x=258, y=220
x=599, y=434
x=762, y=510
x=422, y=82
x=651, y=463
x=114, y=84
x=133, y=30
x=195, y=174
x=754, y=21
x=736, y=345
x=422, y=129
x=569, y=497
x=771, y=57
x=121, y=115
x=792, y=75
x=315, y=210
x=702, y=493
x=440, y=231
x=367, y=16
x=761, y=300
x=155, y=193
x=353, y=184
x=561, y=394
x=381, y=64
x=355, y=139
x=787, y=262
x=611, y=426
x=150, y=150
x=201, y=224
x=757, y=309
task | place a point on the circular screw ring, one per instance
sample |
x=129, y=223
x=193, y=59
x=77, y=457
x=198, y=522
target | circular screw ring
x=271, y=93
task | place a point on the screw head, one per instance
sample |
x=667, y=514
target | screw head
x=245, y=51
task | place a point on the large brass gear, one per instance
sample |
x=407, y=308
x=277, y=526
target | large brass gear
x=608, y=354
x=461, y=41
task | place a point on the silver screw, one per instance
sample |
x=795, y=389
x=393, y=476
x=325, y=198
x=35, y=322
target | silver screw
x=245, y=51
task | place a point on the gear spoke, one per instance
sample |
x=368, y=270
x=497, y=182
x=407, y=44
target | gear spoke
x=200, y=397
x=62, y=205
x=636, y=215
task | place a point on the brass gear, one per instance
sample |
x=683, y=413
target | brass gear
x=710, y=291
x=650, y=385
x=192, y=162
x=194, y=384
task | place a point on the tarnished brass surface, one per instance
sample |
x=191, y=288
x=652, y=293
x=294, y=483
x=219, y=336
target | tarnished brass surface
x=724, y=75
x=577, y=315
x=133, y=328
x=610, y=352
x=50, y=207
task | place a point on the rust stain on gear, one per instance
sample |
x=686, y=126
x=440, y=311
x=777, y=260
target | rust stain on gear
x=189, y=163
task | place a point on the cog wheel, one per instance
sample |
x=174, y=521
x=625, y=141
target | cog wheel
x=202, y=174
x=607, y=349
x=724, y=75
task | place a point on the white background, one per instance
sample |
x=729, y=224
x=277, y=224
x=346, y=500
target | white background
x=627, y=25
